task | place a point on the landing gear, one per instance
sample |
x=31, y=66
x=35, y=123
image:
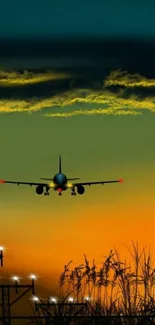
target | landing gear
x=60, y=193
x=46, y=191
x=73, y=191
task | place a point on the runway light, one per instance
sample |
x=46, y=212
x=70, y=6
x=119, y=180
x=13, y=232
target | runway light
x=87, y=298
x=70, y=299
x=33, y=277
x=52, y=300
x=15, y=278
x=35, y=298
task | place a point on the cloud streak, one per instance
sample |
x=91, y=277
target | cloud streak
x=75, y=100
x=126, y=79
x=99, y=111
x=78, y=97
x=12, y=79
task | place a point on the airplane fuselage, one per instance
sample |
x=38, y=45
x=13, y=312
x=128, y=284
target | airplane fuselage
x=60, y=182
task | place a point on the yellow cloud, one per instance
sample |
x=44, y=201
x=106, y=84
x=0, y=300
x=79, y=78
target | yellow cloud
x=75, y=100
x=115, y=78
x=98, y=111
x=111, y=101
x=11, y=79
x=124, y=78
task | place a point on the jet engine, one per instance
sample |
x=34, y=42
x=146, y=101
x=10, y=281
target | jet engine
x=39, y=189
x=80, y=189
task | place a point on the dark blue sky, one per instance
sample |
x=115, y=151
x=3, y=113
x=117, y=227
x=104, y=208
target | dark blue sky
x=76, y=18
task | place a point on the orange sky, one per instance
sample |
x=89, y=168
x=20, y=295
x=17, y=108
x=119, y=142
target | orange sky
x=92, y=231
x=44, y=233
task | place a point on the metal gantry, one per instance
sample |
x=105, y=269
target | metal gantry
x=7, y=303
x=6, y=289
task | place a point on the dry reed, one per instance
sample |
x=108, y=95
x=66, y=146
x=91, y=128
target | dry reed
x=116, y=288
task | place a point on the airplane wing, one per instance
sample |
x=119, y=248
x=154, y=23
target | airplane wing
x=51, y=179
x=2, y=181
x=100, y=182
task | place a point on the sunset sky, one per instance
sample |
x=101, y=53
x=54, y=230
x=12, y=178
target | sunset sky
x=92, y=102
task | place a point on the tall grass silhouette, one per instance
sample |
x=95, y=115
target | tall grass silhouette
x=116, y=288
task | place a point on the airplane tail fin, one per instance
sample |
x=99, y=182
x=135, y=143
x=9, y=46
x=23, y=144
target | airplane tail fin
x=60, y=171
x=59, y=167
x=59, y=164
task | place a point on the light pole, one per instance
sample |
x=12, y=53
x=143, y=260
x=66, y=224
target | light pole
x=1, y=255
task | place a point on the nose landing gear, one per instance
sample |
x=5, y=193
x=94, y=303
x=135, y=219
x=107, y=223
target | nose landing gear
x=59, y=191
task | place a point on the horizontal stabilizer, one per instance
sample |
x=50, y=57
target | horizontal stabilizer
x=47, y=179
x=72, y=179
x=51, y=179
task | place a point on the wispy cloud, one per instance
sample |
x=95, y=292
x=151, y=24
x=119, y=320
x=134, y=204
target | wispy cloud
x=12, y=79
x=68, y=99
x=76, y=100
x=98, y=111
x=126, y=79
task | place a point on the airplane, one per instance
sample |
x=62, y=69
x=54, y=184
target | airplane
x=59, y=183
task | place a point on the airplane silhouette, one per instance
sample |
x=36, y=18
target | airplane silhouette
x=59, y=183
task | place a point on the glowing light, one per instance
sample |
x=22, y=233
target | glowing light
x=121, y=180
x=70, y=299
x=35, y=298
x=15, y=278
x=1, y=248
x=53, y=300
x=69, y=185
x=51, y=184
x=59, y=190
x=2, y=181
x=87, y=298
x=33, y=277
